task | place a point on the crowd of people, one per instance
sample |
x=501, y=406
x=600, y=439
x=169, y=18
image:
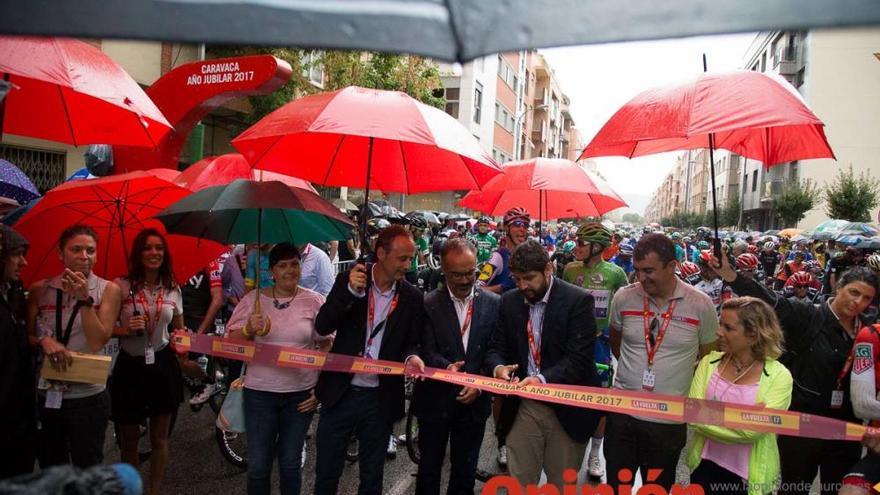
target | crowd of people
x=768, y=323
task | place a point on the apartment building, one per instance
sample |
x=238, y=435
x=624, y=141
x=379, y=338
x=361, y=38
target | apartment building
x=836, y=71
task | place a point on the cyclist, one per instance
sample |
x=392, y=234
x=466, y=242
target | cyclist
x=689, y=272
x=788, y=269
x=418, y=225
x=701, y=246
x=624, y=259
x=202, y=302
x=484, y=241
x=801, y=286
x=865, y=395
x=601, y=279
x=562, y=257
x=769, y=258
x=747, y=265
x=710, y=283
x=495, y=273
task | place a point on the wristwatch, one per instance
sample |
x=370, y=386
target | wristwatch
x=89, y=301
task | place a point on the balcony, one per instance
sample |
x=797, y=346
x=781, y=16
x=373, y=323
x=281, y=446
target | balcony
x=770, y=190
x=788, y=60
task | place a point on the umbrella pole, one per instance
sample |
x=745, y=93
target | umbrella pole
x=717, y=243
x=366, y=204
x=3, y=105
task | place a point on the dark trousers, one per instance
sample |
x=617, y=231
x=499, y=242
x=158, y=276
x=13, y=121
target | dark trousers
x=716, y=480
x=465, y=435
x=634, y=444
x=357, y=413
x=18, y=452
x=275, y=427
x=74, y=434
x=801, y=458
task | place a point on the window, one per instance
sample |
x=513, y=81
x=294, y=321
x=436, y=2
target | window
x=754, y=181
x=313, y=69
x=45, y=168
x=506, y=73
x=478, y=102
x=452, y=101
x=504, y=118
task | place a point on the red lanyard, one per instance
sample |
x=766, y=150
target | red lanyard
x=467, y=319
x=667, y=317
x=142, y=298
x=536, y=352
x=371, y=314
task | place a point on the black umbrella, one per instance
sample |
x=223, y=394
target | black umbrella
x=453, y=30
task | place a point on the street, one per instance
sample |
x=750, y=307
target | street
x=196, y=465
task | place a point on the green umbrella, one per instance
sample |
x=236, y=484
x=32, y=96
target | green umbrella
x=245, y=211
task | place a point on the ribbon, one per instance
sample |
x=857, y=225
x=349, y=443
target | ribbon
x=658, y=406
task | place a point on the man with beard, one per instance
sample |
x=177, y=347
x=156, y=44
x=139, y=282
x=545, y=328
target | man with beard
x=546, y=334
x=659, y=327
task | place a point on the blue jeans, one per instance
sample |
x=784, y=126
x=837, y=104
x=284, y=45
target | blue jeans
x=273, y=423
x=357, y=412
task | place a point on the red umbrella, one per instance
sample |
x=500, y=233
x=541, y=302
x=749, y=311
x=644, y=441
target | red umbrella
x=755, y=115
x=223, y=169
x=367, y=138
x=117, y=207
x=551, y=187
x=68, y=91
x=333, y=138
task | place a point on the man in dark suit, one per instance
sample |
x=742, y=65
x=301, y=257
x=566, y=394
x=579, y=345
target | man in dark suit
x=460, y=319
x=378, y=315
x=546, y=333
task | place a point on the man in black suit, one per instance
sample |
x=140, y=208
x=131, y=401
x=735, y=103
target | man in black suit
x=460, y=319
x=379, y=315
x=546, y=333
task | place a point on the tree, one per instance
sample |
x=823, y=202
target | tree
x=797, y=198
x=415, y=76
x=729, y=216
x=633, y=218
x=850, y=197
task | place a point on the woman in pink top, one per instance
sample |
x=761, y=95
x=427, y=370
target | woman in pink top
x=279, y=402
x=745, y=371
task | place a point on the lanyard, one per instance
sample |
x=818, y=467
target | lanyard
x=150, y=324
x=371, y=315
x=59, y=301
x=533, y=347
x=667, y=317
x=467, y=319
x=846, y=367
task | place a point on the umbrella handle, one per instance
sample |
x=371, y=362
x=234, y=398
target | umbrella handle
x=267, y=322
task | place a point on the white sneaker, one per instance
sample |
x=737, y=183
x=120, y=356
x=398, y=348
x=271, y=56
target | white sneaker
x=206, y=393
x=392, y=447
x=595, y=467
x=502, y=456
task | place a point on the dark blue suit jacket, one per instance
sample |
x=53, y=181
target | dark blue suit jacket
x=568, y=339
x=441, y=346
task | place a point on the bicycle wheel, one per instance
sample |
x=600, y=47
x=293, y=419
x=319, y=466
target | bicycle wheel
x=217, y=367
x=233, y=447
x=412, y=436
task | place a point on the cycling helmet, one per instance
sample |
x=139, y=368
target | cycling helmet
x=485, y=220
x=747, y=261
x=568, y=247
x=675, y=236
x=753, y=249
x=686, y=238
x=517, y=214
x=874, y=262
x=416, y=221
x=626, y=250
x=801, y=278
x=706, y=255
x=812, y=266
x=702, y=245
x=769, y=245
x=376, y=225
x=594, y=232
x=688, y=269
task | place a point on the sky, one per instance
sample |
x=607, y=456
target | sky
x=599, y=79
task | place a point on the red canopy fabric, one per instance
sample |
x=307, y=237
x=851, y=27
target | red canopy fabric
x=223, y=169
x=68, y=91
x=117, y=207
x=331, y=138
x=549, y=188
x=755, y=115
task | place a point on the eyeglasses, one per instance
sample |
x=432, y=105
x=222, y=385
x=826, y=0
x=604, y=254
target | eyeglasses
x=518, y=223
x=468, y=275
x=801, y=286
